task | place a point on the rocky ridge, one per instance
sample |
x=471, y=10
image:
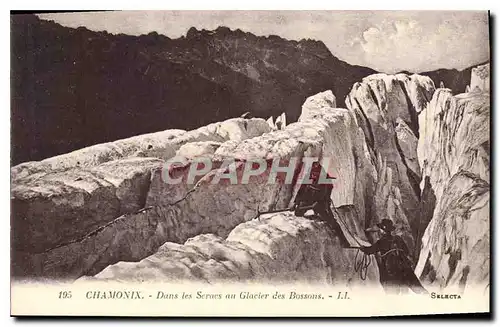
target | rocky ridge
x=109, y=87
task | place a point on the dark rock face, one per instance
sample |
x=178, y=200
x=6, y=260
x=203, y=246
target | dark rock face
x=72, y=88
x=453, y=79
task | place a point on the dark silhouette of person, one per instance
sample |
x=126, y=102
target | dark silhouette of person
x=396, y=272
x=316, y=196
x=247, y=115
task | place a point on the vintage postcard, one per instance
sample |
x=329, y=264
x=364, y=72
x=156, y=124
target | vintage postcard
x=250, y=163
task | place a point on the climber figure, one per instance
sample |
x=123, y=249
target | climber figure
x=396, y=273
x=316, y=196
x=246, y=115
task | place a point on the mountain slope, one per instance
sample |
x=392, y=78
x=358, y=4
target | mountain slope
x=72, y=88
x=455, y=80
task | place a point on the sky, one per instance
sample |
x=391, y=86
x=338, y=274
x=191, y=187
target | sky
x=388, y=41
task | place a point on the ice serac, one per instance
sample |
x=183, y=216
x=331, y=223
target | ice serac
x=318, y=103
x=270, y=122
x=454, y=151
x=279, y=246
x=197, y=149
x=387, y=109
x=70, y=220
x=480, y=78
x=162, y=145
x=332, y=135
x=57, y=207
x=278, y=249
x=407, y=144
x=213, y=198
x=280, y=122
x=142, y=145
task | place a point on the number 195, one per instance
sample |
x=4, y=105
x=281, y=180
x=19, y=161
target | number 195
x=65, y=294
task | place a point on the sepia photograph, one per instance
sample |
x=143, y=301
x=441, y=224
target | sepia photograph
x=291, y=163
